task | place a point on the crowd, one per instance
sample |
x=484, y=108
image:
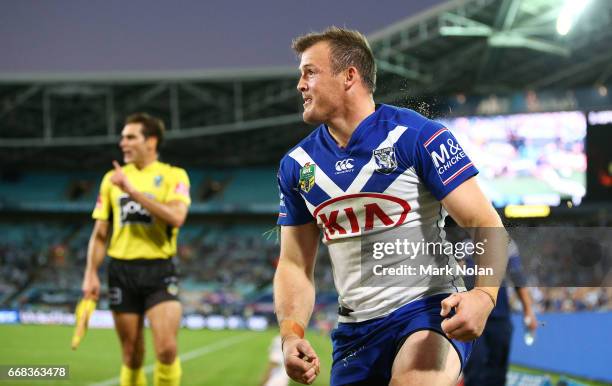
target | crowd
x=225, y=269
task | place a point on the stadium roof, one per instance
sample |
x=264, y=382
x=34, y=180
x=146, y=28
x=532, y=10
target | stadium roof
x=460, y=47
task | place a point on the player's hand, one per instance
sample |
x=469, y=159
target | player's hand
x=472, y=309
x=120, y=180
x=530, y=320
x=91, y=286
x=301, y=362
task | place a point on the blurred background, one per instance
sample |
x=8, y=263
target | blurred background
x=523, y=84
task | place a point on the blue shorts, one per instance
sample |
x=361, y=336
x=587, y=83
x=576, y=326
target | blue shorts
x=364, y=352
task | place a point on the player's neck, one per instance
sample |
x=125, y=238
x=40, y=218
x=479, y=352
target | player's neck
x=146, y=161
x=342, y=127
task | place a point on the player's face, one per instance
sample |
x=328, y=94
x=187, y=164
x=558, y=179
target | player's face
x=133, y=144
x=321, y=90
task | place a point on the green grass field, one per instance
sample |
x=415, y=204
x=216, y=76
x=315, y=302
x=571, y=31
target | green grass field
x=208, y=357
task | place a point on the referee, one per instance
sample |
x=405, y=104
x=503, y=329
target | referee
x=145, y=202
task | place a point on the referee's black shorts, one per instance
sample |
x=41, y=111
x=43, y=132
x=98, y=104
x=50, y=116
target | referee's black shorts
x=136, y=285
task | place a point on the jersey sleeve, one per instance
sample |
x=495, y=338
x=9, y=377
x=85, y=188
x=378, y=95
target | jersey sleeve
x=102, y=210
x=440, y=161
x=292, y=208
x=179, y=186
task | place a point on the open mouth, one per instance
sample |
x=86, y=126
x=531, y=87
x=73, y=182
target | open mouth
x=307, y=101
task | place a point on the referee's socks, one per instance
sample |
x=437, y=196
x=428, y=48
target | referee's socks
x=132, y=377
x=167, y=375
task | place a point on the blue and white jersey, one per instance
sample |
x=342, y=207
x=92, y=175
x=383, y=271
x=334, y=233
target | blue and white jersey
x=391, y=176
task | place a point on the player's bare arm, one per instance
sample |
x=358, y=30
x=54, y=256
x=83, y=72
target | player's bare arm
x=529, y=316
x=471, y=209
x=96, y=251
x=173, y=212
x=294, y=295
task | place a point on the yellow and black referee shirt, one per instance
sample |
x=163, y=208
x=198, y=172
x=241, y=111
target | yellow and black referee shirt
x=136, y=233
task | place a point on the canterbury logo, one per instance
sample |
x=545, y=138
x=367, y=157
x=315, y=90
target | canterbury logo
x=344, y=165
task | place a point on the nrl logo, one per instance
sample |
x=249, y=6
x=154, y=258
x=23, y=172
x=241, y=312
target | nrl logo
x=157, y=181
x=385, y=160
x=172, y=289
x=307, y=177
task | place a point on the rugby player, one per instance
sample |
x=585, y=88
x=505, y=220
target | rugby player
x=145, y=203
x=488, y=363
x=366, y=170
x=275, y=371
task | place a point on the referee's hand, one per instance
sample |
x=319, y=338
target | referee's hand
x=472, y=309
x=91, y=286
x=120, y=180
x=301, y=362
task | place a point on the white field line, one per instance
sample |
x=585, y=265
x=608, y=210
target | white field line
x=204, y=350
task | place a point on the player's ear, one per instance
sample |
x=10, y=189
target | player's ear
x=350, y=77
x=152, y=142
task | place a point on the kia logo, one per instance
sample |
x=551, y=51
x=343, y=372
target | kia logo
x=344, y=164
x=355, y=214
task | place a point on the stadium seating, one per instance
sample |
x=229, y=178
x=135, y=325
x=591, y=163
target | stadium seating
x=214, y=188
